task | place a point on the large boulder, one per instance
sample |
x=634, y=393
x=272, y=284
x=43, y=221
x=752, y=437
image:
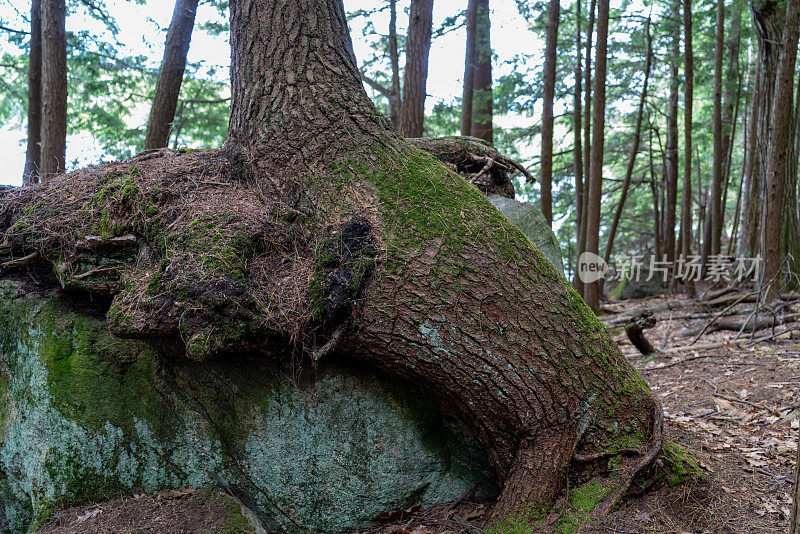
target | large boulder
x=528, y=218
x=86, y=416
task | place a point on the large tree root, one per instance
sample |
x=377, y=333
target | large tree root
x=382, y=254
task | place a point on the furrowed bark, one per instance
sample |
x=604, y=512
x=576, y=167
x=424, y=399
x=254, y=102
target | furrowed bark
x=54, y=88
x=548, y=93
x=170, y=76
x=33, y=153
x=469, y=70
x=417, y=49
x=482, y=104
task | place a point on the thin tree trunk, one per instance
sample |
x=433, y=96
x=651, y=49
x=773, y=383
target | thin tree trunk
x=548, y=94
x=751, y=210
x=395, y=95
x=33, y=153
x=654, y=192
x=170, y=76
x=688, y=99
x=779, y=149
x=418, y=47
x=577, y=150
x=482, y=113
x=54, y=87
x=670, y=207
x=469, y=70
x=592, y=290
x=719, y=155
x=637, y=136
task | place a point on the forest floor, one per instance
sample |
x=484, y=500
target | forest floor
x=734, y=404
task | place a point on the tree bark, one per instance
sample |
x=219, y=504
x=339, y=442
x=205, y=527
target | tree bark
x=395, y=95
x=751, y=212
x=719, y=156
x=548, y=94
x=592, y=290
x=688, y=99
x=54, y=88
x=577, y=130
x=33, y=153
x=418, y=46
x=482, y=105
x=469, y=69
x=778, y=149
x=670, y=206
x=170, y=76
x=637, y=137
x=337, y=236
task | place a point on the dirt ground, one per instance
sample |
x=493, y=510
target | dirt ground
x=735, y=406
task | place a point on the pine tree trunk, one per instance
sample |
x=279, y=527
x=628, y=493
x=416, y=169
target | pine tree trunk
x=577, y=130
x=637, y=136
x=688, y=99
x=33, y=160
x=670, y=206
x=54, y=88
x=482, y=105
x=469, y=69
x=751, y=209
x=395, y=91
x=719, y=155
x=340, y=239
x=418, y=47
x=548, y=94
x=778, y=152
x=170, y=76
x=592, y=290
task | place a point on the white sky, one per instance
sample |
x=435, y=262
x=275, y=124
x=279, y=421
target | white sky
x=142, y=32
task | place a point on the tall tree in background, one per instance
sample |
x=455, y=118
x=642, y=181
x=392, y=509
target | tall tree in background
x=54, y=87
x=577, y=151
x=688, y=99
x=778, y=150
x=418, y=46
x=671, y=201
x=637, y=137
x=592, y=290
x=33, y=153
x=548, y=94
x=719, y=157
x=469, y=69
x=392, y=92
x=482, y=105
x=170, y=76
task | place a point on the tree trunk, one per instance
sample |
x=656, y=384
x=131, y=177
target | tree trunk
x=778, y=150
x=719, y=156
x=469, y=70
x=54, y=88
x=395, y=95
x=654, y=193
x=637, y=136
x=33, y=160
x=592, y=290
x=482, y=104
x=587, y=135
x=751, y=209
x=170, y=76
x=688, y=100
x=418, y=47
x=548, y=94
x=577, y=148
x=670, y=206
x=337, y=237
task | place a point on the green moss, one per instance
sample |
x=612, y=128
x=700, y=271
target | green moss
x=235, y=522
x=582, y=501
x=680, y=466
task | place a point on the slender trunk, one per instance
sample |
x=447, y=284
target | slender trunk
x=548, y=94
x=778, y=150
x=719, y=155
x=670, y=207
x=482, y=95
x=577, y=148
x=688, y=99
x=637, y=136
x=751, y=210
x=395, y=95
x=654, y=192
x=587, y=136
x=469, y=70
x=33, y=160
x=732, y=90
x=592, y=290
x=170, y=76
x=418, y=47
x=54, y=87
